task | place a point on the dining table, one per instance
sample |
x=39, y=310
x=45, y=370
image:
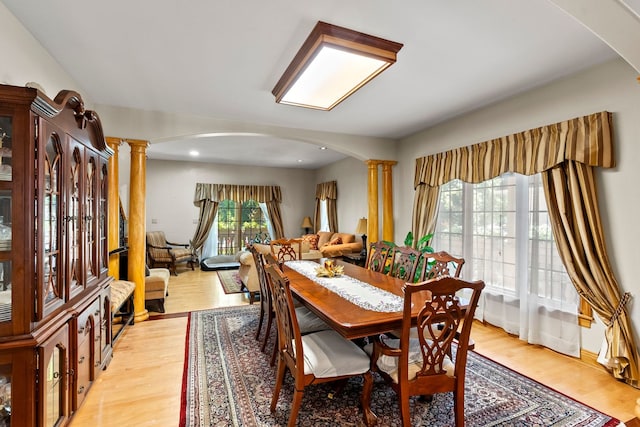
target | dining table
x=358, y=303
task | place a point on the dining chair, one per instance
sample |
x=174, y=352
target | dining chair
x=440, y=264
x=286, y=249
x=313, y=358
x=404, y=263
x=378, y=254
x=266, y=306
x=308, y=321
x=423, y=365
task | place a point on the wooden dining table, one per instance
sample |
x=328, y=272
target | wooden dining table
x=347, y=318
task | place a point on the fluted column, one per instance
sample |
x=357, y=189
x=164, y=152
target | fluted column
x=372, y=191
x=114, y=206
x=137, y=220
x=387, y=200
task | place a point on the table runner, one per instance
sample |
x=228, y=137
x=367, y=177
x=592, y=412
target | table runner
x=353, y=290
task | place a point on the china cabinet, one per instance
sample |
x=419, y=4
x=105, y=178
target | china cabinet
x=55, y=322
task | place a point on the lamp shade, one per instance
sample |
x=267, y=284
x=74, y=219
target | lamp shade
x=361, y=228
x=306, y=222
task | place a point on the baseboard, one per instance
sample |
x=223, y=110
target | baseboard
x=589, y=358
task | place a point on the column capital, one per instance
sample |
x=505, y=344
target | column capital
x=137, y=145
x=113, y=142
x=388, y=163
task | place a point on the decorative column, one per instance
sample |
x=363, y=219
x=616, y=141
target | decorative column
x=137, y=221
x=387, y=200
x=114, y=207
x=372, y=220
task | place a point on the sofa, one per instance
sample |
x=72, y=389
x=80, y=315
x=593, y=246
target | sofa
x=333, y=244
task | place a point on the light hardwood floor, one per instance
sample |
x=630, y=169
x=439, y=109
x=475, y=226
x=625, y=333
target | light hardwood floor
x=142, y=385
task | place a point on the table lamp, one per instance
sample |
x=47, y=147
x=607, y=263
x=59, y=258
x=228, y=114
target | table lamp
x=361, y=228
x=306, y=224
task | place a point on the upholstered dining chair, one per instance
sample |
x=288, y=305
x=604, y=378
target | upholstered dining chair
x=378, y=254
x=313, y=358
x=266, y=307
x=404, y=263
x=308, y=322
x=423, y=365
x=440, y=264
x=286, y=249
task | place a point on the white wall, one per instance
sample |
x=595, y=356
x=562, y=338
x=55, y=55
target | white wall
x=171, y=186
x=24, y=60
x=351, y=176
x=612, y=87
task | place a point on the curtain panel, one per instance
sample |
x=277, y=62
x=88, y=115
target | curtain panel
x=327, y=191
x=565, y=154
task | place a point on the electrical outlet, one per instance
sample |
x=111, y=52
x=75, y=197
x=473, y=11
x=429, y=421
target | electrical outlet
x=154, y=221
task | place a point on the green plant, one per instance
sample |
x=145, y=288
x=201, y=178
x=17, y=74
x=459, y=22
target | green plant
x=423, y=246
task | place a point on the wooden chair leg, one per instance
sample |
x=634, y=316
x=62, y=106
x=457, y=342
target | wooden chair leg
x=279, y=381
x=267, y=330
x=261, y=316
x=458, y=407
x=274, y=353
x=405, y=414
x=295, y=407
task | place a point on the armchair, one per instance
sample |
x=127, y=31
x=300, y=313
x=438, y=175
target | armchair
x=161, y=253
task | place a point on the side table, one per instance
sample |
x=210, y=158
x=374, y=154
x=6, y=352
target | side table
x=355, y=258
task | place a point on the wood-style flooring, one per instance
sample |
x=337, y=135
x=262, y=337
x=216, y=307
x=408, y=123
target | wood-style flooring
x=142, y=385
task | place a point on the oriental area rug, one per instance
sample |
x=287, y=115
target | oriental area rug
x=230, y=281
x=228, y=382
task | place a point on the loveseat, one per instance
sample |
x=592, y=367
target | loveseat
x=332, y=245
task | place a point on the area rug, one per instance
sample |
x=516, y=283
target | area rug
x=228, y=382
x=230, y=281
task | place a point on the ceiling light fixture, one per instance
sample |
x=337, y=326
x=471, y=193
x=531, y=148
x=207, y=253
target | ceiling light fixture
x=194, y=153
x=332, y=64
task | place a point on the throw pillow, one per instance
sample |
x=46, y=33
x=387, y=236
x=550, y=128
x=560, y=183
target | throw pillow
x=312, y=239
x=335, y=241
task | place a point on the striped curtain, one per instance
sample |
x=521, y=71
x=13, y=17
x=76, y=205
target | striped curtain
x=565, y=153
x=207, y=197
x=327, y=191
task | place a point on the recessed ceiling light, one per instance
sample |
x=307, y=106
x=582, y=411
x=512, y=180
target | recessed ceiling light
x=194, y=153
x=323, y=148
x=332, y=64
x=299, y=161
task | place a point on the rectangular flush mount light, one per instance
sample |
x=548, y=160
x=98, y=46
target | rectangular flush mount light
x=332, y=64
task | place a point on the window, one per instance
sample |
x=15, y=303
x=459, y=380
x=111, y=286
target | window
x=324, y=216
x=238, y=224
x=502, y=229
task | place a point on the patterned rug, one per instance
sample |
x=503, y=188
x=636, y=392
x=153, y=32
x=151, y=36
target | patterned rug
x=230, y=281
x=228, y=382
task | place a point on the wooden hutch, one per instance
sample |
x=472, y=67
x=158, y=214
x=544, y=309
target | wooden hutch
x=55, y=314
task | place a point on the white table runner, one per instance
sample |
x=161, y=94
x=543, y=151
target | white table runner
x=353, y=290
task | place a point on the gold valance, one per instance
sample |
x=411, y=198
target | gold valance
x=586, y=139
x=238, y=193
x=327, y=190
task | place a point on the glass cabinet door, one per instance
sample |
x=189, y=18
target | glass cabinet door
x=51, y=283
x=6, y=130
x=103, y=247
x=90, y=215
x=54, y=378
x=73, y=219
x=6, y=176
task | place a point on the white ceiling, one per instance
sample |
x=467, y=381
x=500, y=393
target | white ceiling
x=221, y=59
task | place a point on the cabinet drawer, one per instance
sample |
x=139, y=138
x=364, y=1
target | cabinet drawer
x=84, y=371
